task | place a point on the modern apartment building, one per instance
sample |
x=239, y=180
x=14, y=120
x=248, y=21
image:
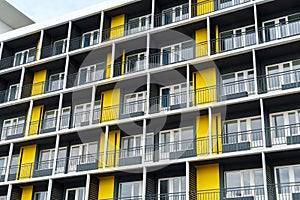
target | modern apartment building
x=154, y=99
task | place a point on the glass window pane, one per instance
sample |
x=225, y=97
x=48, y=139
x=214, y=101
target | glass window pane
x=233, y=179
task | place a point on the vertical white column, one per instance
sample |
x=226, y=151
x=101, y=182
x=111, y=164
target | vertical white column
x=50, y=184
x=187, y=180
x=59, y=111
x=190, y=9
x=262, y=111
x=28, y=120
x=144, y=183
x=148, y=94
x=188, y=100
x=55, y=159
x=101, y=26
x=255, y=71
x=148, y=52
x=210, y=116
x=256, y=23
x=265, y=175
x=39, y=48
x=92, y=104
x=69, y=36
x=87, y=186
x=113, y=52
x=208, y=36
x=152, y=13
x=10, y=154
x=66, y=72
x=8, y=196
x=144, y=139
x=105, y=146
x=1, y=49
x=21, y=82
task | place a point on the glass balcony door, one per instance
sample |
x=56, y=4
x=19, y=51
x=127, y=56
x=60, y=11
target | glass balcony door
x=134, y=103
x=40, y=195
x=229, y=3
x=50, y=119
x=130, y=190
x=61, y=160
x=13, y=126
x=82, y=114
x=131, y=146
x=56, y=82
x=13, y=92
x=3, y=162
x=75, y=194
x=135, y=63
x=175, y=14
x=139, y=24
x=25, y=56
x=172, y=188
x=65, y=118
x=91, y=73
x=59, y=46
x=90, y=38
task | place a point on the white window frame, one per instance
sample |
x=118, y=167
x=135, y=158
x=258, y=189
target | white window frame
x=230, y=3
x=286, y=122
x=16, y=94
x=166, y=148
x=2, y=197
x=93, y=73
x=138, y=104
x=84, y=117
x=134, y=149
x=239, y=85
x=92, y=39
x=253, y=143
x=243, y=188
x=13, y=131
x=76, y=192
x=3, y=168
x=60, y=81
x=285, y=75
x=173, y=13
x=237, y=41
x=139, y=64
x=139, y=21
x=26, y=59
x=49, y=165
x=54, y=118
x=149, y=148
x=63, y=115
x=61, y=158
x=175, y=99
x=277, y=27
x=171, y=189
x=132, y=190
x=45, y=195
x=63, y=49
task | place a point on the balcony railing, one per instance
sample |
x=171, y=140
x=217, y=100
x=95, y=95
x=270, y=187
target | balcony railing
x=78, y=42
x=279, y=81
x=42, y=126
x=12, y=132
x=4, y=96
x=233, y=41
x=253, y=192
x=284, y=135
x=41, y=88
x=169, y=196
x=53, y=50
x=203, y=147
x=2, y=173
x=204, y=95
x=86, y=77
x=18, y=172
x=11, y=61
x=129, y=66
x=279, y=31
x=237, y=89
x=83, y=162
x=284, y=191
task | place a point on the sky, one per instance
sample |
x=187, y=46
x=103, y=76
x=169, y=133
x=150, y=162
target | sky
x=42, y=10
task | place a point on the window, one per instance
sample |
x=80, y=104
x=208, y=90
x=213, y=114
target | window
x=14, y=164
x=175, y=140
x=75, y=194
x=242, y=81
x=91, y=73
x=287, y=179
x=131, y=146
x=230, y=3
x=61, y=160
x=139, y=24
x=172, y=188
x=244, y=130
x=176, y=53
x=59, y=47
x=65, y=118
x=2, y=197
x=174, y=95
x=281, y=27
x=13, y=92
x=90, y=38
x=175, y=14
x=130, y=190
x=50, y=119
x=2, y=166
x=13, y=126
x=82, y=114
x=283, y=74
x=82, y=154
x=56, y=82
x=25, y=56
x=284, y=124
x=40, y=195
x=237, y=38
x=135, y=63
x=244, y=183
x=134, y=102
x=47, y=157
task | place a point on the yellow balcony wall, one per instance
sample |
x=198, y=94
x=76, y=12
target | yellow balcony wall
x=27, y=193
x=110, y=105
x=113, y=148
x=204, y=6
x=117, y=26
x=201, y=42
x=106, y=188
x=36, y=120
x=26, y=160
x=108, y=66
x=208, y=181
x=39, y=79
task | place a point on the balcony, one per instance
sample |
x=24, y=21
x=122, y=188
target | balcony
x=82, y=163
x=122, y=157
x=8, y=95
x=131, y=65
x=284, y=135
x=84, y=41
x=241, y=193
x=2, y=173
x=285, y=191
x=237, y=89
x=59, y=47
x=13, y=131
x=169, y=196
x=42, y=126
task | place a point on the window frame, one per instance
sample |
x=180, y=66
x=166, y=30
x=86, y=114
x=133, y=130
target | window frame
x=16, y=126
x=64, y=46
x=180, y=178
x=132, y=189
x=60, y=80
x=45, y=195
x=140, y=27
x=76, y=192
x=127, y=108
x=24, y=60
x=172, y=11
x=92, y=39
x=17, y=92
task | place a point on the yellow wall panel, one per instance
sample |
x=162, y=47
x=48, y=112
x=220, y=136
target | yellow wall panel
x=38, y=82
x=217, y=39
x=26, y=160
x=101, y=150
x=201, y=42
x=217, y=133
x=204, y=82
x=202, y=136
x=113, y=148
x=37, y=55
x=117, y=26
x=208, y=177
x=110, y=101
x=123, y=63
x=108, y=66
x=106, y=187
x=27, y=193
x=204, y=7
x=36, y=120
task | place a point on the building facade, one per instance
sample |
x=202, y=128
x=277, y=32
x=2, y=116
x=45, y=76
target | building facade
x=154, y=99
